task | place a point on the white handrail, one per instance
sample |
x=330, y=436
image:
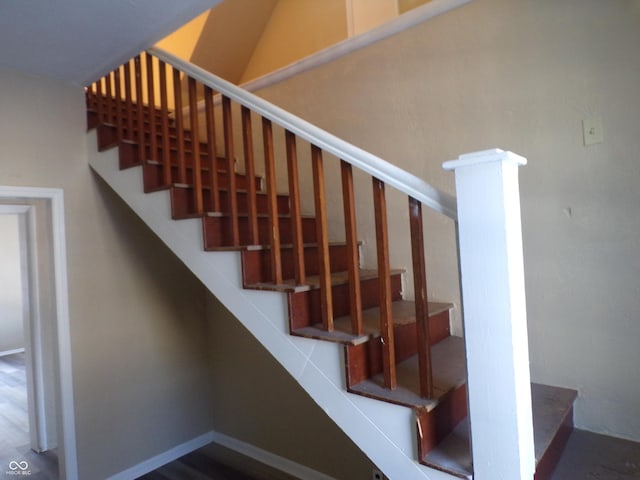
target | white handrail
x=390, y=174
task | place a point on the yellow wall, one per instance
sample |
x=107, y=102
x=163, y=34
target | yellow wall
x=297, y=28
x=406, y=5
x=183, y=41
x=363, y=15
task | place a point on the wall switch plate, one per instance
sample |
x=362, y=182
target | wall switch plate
x=592, y=131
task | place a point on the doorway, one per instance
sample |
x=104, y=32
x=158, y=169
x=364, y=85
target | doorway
x=47, y=358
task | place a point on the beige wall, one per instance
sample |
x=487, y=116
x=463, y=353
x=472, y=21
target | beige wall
x=11, y=321
x=262, y=405
x=140, y=361
x=297, y=28
x=154, y=364
x=521, y=76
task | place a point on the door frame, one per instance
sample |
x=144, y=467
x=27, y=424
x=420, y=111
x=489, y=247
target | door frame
x=26, y=202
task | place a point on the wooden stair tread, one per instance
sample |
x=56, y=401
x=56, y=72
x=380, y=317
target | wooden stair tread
x=550, y=407
x=403, y=314
x=449, y=373
x=313, y=281
x=287, y=246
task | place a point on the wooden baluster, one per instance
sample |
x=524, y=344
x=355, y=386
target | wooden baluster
x=324, y=269
x=109, y=99
x=211, y=147
x=89, y=96
x=137, y=61
x=118, y=90
x=351, y=237
x=294, y=207
x=250, y=171
x=99, y=101
x=195, y=145
x=422, y=306
x=177, y=92
x=272, y=202
x=384, y=281
x=227, y=126
x=128, y=96
x=164, y=114
x=153, y=132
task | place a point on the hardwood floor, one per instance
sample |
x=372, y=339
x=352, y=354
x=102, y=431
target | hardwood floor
x=587, y=455
x=14, y=425
x=214, y=462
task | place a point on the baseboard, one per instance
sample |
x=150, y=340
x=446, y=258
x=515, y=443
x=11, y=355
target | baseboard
x=164, y=458
x=259, y=455
x=11, y=352
x=267, y=458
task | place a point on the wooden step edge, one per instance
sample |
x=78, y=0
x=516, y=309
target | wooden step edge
x=552, y=423
x=449, y=373
x=313, y=282
x=289, y=246
x=335, y=336
x=260, y=215
x=342, y=325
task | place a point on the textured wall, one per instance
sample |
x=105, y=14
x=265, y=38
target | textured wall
x=140, y=360
x=520, y=76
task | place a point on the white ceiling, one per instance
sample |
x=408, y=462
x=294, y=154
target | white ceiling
x=77, y=41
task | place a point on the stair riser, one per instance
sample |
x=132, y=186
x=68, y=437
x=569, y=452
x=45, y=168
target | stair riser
x=552, y=455
x=439, y=422
x=217, y=231
x=153, y=181
x=365, y=360
x=183, y=202
x=93, y=121
x=129, y=157
x=256, y=264
x=304, y=307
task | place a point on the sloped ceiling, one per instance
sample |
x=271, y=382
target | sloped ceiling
x=238, y=25
x=77, y=41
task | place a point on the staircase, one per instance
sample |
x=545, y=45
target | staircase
x=385, y=368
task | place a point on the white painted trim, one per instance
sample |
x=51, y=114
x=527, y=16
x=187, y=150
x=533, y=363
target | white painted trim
x=14, y=209
x=262, y=456
x=67, y=452
x=485, y=156
x=11, y=352
x=270, y=459
x=497, y=347
x=375, y=166
x=166, y=457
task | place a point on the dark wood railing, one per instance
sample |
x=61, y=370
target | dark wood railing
x=138, y=105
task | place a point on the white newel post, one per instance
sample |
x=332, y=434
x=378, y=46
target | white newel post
x=495, y=317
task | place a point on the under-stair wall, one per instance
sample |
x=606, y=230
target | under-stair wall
x=385, y=432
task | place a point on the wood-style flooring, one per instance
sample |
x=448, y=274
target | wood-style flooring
x=588, y=456
x=14, y=426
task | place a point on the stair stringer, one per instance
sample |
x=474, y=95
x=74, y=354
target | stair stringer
x=386, y=433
